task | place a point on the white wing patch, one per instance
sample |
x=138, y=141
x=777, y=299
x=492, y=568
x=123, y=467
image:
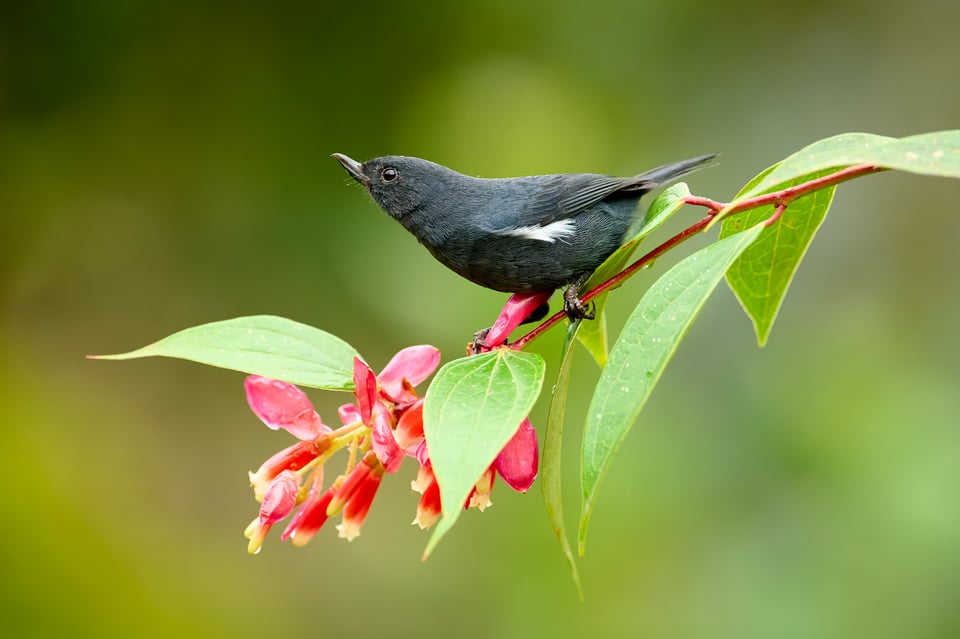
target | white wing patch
x=550, y=233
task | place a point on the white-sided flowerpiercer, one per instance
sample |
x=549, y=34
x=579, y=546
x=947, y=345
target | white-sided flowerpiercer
x=516, y=235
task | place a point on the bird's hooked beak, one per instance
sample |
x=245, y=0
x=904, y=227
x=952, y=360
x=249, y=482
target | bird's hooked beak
x=354, y=168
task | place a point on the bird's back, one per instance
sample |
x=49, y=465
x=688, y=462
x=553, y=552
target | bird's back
x=519, y=234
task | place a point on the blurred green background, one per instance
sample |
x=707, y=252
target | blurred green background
x=164, y=164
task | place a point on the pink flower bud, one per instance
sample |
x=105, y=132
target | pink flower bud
x=282, y=405
x=384, y=444
x=280, y=497
x=365, y=389
x=517, y=463
x=349, y=414
x=407, y=369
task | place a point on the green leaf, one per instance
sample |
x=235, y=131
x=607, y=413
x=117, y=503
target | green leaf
x=761, y=276
x=936, y=153
x=472, y=409
x=550, y=465
x=264, y=345
x=593, y=334
x=662, y=209
x=646, y=344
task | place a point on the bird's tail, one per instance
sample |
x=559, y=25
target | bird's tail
x=670, y=172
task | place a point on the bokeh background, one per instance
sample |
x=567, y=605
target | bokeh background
x=164, y=164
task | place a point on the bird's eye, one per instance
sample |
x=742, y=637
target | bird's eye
x=389, y=174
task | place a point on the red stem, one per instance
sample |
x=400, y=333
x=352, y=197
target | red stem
x=788, y=194
x=617, y=279
x=781, y=199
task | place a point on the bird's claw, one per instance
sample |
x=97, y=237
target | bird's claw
x=575, y=308
x=478, y=345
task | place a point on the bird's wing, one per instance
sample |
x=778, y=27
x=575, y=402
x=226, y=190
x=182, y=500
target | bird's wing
x=591, y=189
x=546, y=208
x=564, y=196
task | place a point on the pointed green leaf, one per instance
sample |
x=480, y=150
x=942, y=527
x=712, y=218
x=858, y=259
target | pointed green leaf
x=936, y=153
x=646, y=344
x=472, y=409
x=662, y=209
x=593, y=334
x=761, y=276
x=261, y=345
x=550, y=465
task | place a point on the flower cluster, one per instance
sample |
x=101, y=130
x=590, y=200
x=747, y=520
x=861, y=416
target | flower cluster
x=382, y=427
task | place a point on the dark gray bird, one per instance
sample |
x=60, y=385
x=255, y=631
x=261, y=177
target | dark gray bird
x=516, y=235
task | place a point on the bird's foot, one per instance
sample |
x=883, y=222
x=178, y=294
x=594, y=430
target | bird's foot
x=477, y=345
x=575, y=308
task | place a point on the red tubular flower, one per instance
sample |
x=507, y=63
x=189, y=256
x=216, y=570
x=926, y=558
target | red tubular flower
x=517, y=463
x=429, y=507
x=479, y=497
x=356, y=495
x=383, y=401
x=278, y=501
x=384, y=425
x=312, y=514
x=409, y=430
x=381, y=406
x=281, y=405
x=291, y=458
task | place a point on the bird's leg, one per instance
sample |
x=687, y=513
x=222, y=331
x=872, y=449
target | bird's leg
x=573, y=307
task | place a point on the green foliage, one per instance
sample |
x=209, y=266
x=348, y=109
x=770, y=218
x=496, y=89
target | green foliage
x=761, y=276
x=936, y=153
x=593, y=335
x=647, y=342
x=261, y=345
x=164, y=164
x=474, y=407
x=550, y=475
x=475, y=404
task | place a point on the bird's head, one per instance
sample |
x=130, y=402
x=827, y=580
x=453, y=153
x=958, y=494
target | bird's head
x=400, y=185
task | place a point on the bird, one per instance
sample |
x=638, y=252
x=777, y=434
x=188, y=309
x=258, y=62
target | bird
x=528, y=234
